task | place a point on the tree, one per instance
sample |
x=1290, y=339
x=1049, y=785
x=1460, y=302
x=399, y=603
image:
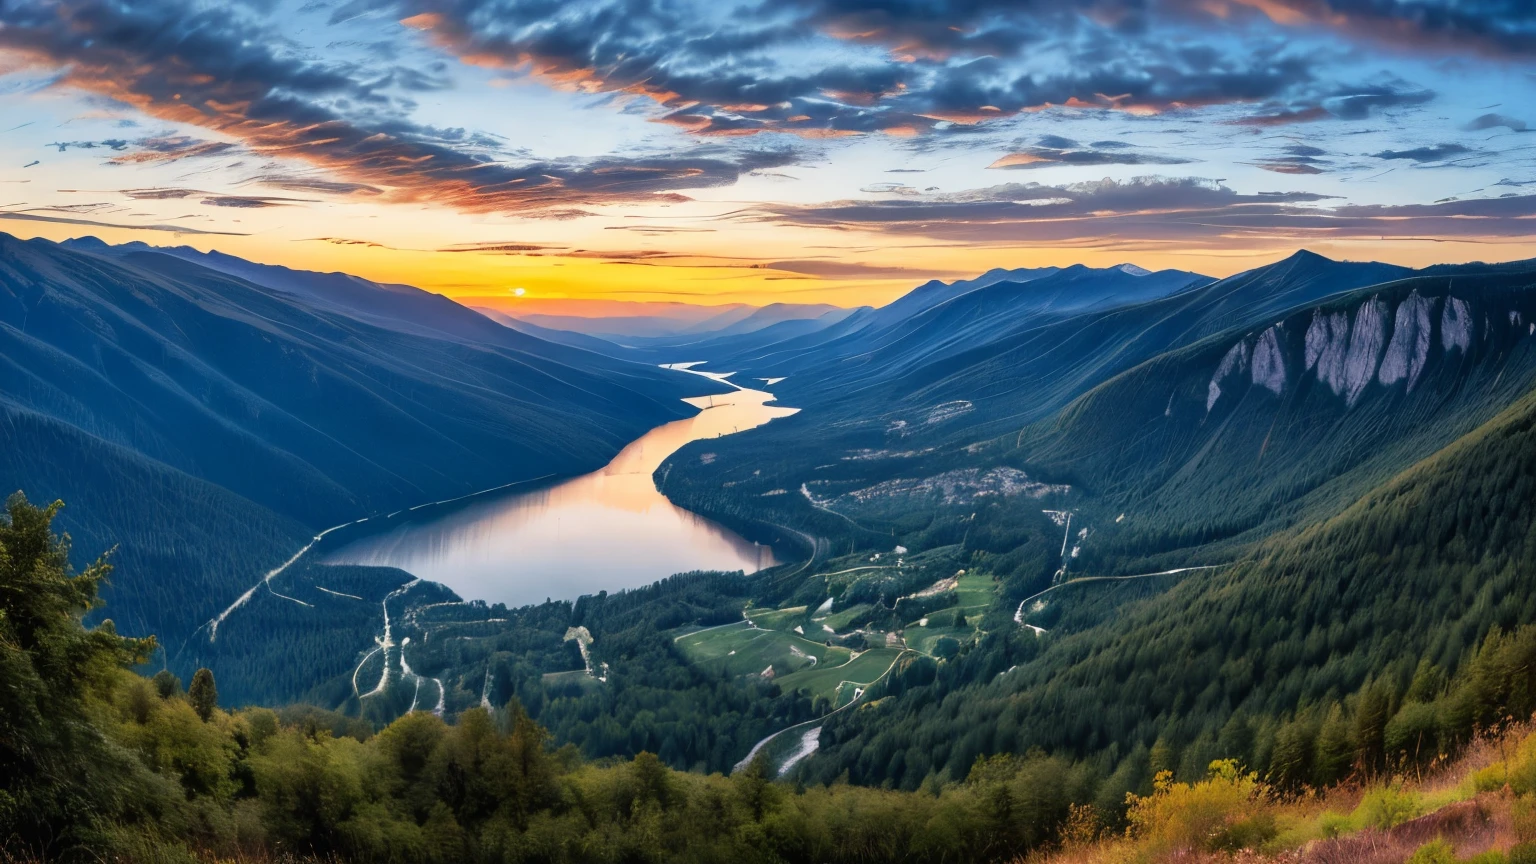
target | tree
x=60, y=785
x=203, y=694
x=166, y=684
x=1370, y=727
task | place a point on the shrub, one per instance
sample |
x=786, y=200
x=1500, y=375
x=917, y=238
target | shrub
x=1223, y=812
x=1386, y=807
x=1436, y=851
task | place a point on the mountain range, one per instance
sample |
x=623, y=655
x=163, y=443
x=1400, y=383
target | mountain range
x=1197, y=516
x=204, y=414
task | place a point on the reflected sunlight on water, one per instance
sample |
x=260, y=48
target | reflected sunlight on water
x=606, y=530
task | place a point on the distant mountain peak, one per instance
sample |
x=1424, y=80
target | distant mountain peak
x=88, y=243
x=1134, y=270
x=1307, y=256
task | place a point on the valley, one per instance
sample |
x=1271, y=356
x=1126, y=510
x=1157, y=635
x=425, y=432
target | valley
x=1190, y=514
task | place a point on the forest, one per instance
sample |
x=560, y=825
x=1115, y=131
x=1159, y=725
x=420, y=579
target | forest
x=97, y=761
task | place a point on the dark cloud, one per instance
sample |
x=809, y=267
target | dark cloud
x=1286, y=117
x=174, y=229
x=214, y=199
x=1360, y=104
x=1055, y=150
x=1153, y=210
x=171, y=148
x=251, y=202
x=110, y=144
x=1493, y=27
x=957, y=62
x=1296, y=159
x=1356, y=102
x=1494, y=121
x=1437, y=153
x=216, y=69
x=314, y=184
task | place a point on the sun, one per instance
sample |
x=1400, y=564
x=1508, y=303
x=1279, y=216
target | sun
x=518, y=292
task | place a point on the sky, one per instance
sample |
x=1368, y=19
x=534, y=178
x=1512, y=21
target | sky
x=512, y=152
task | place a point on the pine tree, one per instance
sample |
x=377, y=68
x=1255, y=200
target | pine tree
x=203, y=694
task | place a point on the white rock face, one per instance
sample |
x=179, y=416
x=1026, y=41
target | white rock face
x=1408, y=352
x=1456, y=325
x=1365, y=343
x=1349, y=351
x=1234, y=363
x=1268, y=362
x=1327, y=347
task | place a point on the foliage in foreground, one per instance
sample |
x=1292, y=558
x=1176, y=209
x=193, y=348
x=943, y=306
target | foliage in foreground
x=99, y=762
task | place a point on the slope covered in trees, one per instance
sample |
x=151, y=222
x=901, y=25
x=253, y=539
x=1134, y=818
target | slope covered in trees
x=208, y=425
x=1324, y=649
x=97, y=762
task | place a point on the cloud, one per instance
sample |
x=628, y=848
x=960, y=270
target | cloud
x=1286, y=117
x=110, y=144
x=1055, y=150
x=216, y=69
x=293, y=183
x=719, y=71
x=846, y=270
x=174, y=229
x=1436, y=153
x=1362, y=103
x=213, y=199
x=1500, y=28
x=1152, y=210
x=1296, y=159
x=1494, y=121
x=171, y=148
x=499, y=247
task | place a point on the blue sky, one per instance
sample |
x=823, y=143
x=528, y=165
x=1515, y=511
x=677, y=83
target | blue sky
x=837, y=150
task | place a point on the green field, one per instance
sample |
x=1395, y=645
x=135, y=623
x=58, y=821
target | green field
x=578, y=677
x=838, y=681
x=974, y=593
x=841, y=618
x=742, y=649
x=780, y=619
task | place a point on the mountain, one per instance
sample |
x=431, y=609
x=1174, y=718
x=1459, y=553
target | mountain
x=208, y=423
x=923, y=327
x=1091, y=401
x=659, y=324
x=560, y=337
x=1212, y=519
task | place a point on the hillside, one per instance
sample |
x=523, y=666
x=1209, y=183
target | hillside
x=210, y=424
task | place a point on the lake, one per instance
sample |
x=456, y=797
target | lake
x=607, y=530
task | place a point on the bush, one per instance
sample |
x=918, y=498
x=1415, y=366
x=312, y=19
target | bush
x=1436, y=851
x=1386, y=807
x=1334, y=825
x=1519, y=771
x=1224, y=812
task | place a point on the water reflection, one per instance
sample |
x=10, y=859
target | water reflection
x=606, y=530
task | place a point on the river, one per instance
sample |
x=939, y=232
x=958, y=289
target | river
x=607, y=530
